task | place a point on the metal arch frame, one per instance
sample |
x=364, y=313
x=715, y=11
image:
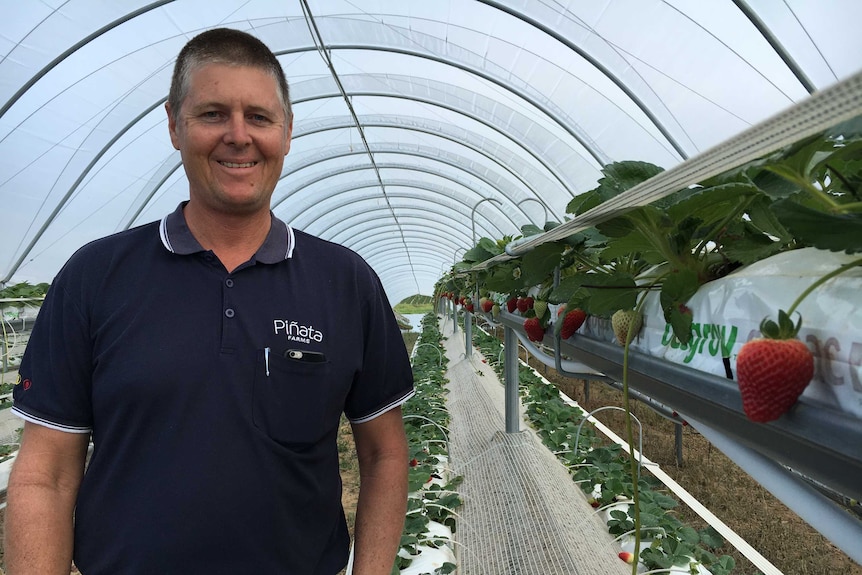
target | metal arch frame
x=62, y=203
x=432, y=248
x=74, y=48
x=446, y=106
x=378, y=209
x=384, y=256
x=384, y=165
x=295, y=222
x=494, y=4
x=436, y=226
x=383, y=270
x=776, y=45
x=642, y=106
x=355, y=240
x=538, y=105
x=311, y=181
x=99, y=155
x=431, y=233
x=568, y=127
x=357, y=244
x=355, y=200
x=449, y=138
x=764, y=30
x=381, y=150
x=377, y=218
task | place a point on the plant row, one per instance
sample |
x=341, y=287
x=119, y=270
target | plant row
x=601, y=470
x=807, y=195
x=427, y=541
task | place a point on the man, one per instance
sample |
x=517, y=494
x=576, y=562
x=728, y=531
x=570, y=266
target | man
x=211, y=355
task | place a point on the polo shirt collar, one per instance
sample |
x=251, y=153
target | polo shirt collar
x=178, y=239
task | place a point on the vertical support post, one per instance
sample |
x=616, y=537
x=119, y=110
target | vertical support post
x=586, y=390
x=677, y=432
x=510, y=375
x=468, y=334
x=454, y=317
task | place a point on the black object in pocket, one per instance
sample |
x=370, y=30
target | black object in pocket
x=305, y=356
x=296, y=401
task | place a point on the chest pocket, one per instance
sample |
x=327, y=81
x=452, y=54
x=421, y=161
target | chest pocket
x=298, y=402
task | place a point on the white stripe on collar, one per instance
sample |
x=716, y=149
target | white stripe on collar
x=291, y=242
x=163, y=234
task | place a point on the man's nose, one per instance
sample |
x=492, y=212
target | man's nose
x=237, y=131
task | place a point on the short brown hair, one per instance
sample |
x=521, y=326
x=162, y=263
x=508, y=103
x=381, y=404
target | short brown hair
x=225, y=46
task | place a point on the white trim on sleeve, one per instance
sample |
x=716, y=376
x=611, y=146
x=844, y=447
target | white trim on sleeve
x=383, y=410
x=50, y=424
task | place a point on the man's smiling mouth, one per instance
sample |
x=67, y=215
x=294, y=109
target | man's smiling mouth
x=234, y=165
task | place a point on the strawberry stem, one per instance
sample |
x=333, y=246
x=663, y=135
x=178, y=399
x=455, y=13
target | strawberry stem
x=820, y=281
x=633, y=464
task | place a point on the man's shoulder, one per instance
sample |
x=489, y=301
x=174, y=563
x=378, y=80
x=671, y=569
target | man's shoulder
x=133, y=238
x=317, y=247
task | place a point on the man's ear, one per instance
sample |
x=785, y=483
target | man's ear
x=289, y=135
x=172, y=126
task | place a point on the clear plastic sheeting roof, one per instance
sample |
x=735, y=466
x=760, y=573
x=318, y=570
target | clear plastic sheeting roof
x=480, y=116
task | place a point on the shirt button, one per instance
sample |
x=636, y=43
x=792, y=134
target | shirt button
x=228, y=282
x=229, y=312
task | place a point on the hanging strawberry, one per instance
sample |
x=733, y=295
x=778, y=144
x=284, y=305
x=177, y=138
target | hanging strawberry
x=773, y=370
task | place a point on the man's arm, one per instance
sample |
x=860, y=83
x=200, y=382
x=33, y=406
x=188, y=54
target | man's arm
x=41, y=494
x=381, y=447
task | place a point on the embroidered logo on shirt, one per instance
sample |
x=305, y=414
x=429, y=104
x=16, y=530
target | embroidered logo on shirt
x=296, y=331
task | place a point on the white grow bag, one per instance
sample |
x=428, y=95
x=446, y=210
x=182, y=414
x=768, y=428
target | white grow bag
x=728, y=311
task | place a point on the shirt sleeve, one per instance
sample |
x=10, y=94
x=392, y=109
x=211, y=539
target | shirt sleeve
x=53, y=387
x=386, y=378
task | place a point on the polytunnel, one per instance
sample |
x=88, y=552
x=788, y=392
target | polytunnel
x=422, y=127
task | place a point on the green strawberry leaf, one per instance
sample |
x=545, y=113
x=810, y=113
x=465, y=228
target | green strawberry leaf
x=764, y=219
x=744, y=243
x=711, y=538
x=538, y=264
x=476, y=255
x=501, y=278
x=530, y=230
x=609, y=292
x=819, y=229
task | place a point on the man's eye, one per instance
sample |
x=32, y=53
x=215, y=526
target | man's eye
x=259, y=118
x=211, y=115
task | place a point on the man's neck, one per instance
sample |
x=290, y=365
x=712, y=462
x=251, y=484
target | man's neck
x=233, y=238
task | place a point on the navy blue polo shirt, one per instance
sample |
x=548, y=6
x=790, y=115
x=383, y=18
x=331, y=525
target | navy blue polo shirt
x=214, y=398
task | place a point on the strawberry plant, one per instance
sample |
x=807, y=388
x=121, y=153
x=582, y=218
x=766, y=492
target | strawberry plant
x=432, y=488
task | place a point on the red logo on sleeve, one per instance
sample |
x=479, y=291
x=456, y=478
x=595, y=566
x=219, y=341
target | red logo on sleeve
x=26, y=384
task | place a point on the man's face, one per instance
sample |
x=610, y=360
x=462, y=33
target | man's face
x=233, y=135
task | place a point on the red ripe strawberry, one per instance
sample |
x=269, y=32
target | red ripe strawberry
x=571, y=322
x=469, y=307
x=534, y=329
x=773, y=370
x=413, y=462
x=512, y=304
x=487, y=304
x=524, y=303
